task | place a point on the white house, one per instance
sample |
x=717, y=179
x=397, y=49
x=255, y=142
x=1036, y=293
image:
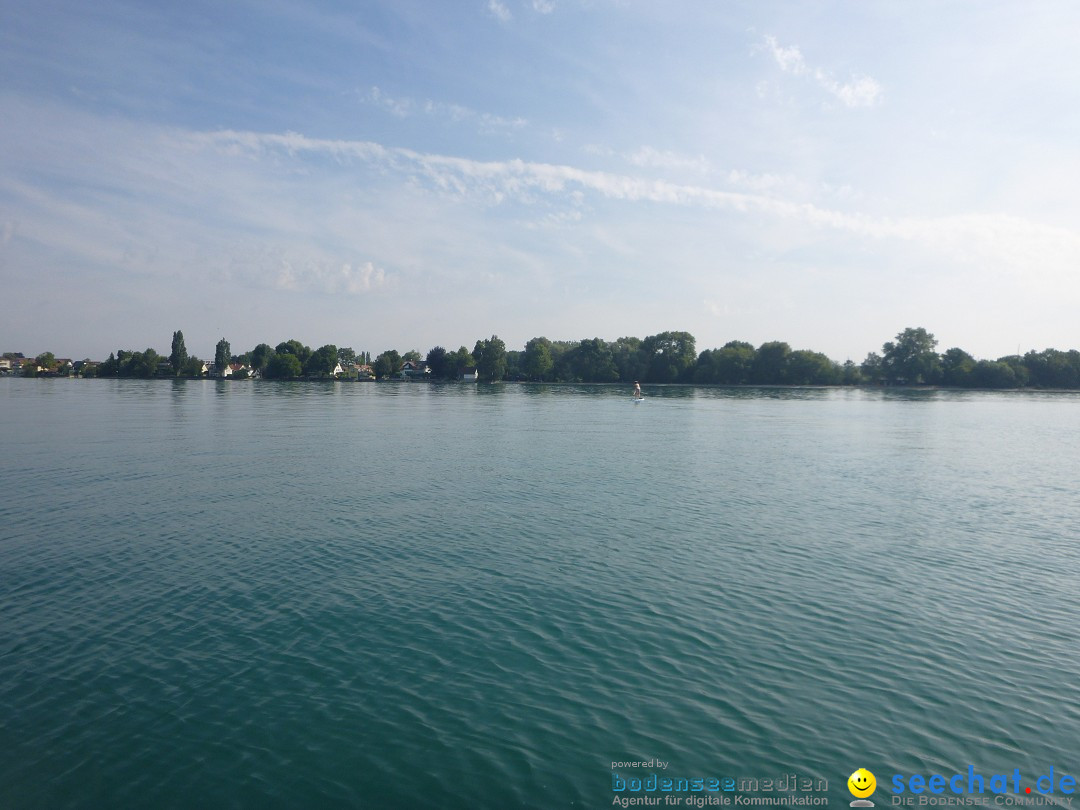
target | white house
x=415, y=369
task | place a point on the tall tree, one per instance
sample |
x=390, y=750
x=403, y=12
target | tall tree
x=283, y=366
x=911, y=358
x=731, y=364
x=537, y=362
x=490, y=357
x=295, y=348
x=956, y=367
x=770, y=363
x=592, y=361
x=459, y=361
x=179, y=355
x=629, y=359
x=438, y=361
x=222, y=356
x=46, y=361
x=387, y=364
x=322, y=361
x=193, y=367
x=670, y=356
x=260, y=356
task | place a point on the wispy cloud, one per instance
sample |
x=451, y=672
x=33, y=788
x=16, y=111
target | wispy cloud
x=333, y=279
x=405, y=107
x=858, y=91
x=543, y=6
x=1010, y=242
x=648, y=157
x=498, y=10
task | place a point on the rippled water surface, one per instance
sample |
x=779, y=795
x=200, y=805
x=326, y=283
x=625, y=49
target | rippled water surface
x=408, y=596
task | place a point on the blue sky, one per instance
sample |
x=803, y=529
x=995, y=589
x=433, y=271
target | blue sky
x=406, y=174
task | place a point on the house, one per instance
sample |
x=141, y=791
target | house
x=470, y=373
x=415, y=369
x=365, y=372
x=338, y=370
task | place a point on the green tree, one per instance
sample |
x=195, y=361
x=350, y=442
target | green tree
x=671, y=357
x=871, y=368
x=138, y=364
x=387, y=364
x=46, y=361
x=346, y=355
x=490, y=357
x=193, y=367
x=413, y=355
x=537, y=362
x=295, y=348
x=178, y=355
x=438, y=361
x=322, y=361
x=771, y=363
x=911, y=359
x=1052, y=368
x=283, y=366
x=1020, y=371
x=993, y=374
x=805, y=367
x=513, y=365
x=459, y=361
x=260, y=356
x=731, y=364
x=591, y=361
x=562, y=353
x=851, y=373
x=957, y=367
x=109, y=367
x=222, y=356
x=629, y=359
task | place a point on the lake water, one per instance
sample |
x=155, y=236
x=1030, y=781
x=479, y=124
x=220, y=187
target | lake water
x=283, y=595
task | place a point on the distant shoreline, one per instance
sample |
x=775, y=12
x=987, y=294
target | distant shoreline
x=565, y=384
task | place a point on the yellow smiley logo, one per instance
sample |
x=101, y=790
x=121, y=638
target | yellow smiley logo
x=861, y=783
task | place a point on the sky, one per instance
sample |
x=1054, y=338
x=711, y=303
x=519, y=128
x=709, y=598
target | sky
x=413, y=173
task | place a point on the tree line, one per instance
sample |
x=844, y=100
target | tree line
x=667, y=357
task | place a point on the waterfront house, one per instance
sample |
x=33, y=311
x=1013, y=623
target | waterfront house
x=415, y=369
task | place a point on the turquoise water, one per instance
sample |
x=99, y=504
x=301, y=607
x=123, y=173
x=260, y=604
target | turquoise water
x=398, y=595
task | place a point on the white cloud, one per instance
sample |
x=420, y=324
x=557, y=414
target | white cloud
x=790, y=59
x=543, y=6
x=499, y=10
x=326, y=277
x=400, y=107
x=859, y=91
x=648, y=157
x=404, y=107
x=1012, y=244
